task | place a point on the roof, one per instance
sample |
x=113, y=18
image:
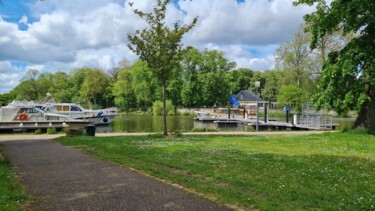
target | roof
x=246, y=95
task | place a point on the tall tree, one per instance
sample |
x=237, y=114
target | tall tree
x=27, y=89
x=272, y=85
x=348, y=80
x=293, y=59
x=191, y=64
x=158, y=45
x=93, y=85
x=240, y=79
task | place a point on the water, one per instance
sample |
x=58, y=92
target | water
x=150, y=123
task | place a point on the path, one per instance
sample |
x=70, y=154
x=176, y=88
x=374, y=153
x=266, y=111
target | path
x=62, y=178
x=15, y=137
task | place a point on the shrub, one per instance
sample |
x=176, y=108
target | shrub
x=51, y=130
x=38, y=131
x=250, y=129
x=204, y=129
x=157, y=108
x=178, y=133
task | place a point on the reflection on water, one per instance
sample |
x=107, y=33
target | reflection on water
x=343, y=123
x=150, y=123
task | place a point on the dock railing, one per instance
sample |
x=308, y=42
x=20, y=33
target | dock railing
x=316, y=122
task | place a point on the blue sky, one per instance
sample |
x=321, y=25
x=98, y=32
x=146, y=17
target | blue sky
x=60, y=35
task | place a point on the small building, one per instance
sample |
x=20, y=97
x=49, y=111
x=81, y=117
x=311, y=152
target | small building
x=248, y=100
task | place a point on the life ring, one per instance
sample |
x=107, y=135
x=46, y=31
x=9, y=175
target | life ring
x=23, y=117
x=105, y=119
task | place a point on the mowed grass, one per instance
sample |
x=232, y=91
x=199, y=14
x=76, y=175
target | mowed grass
x=11, y=194
x=331, y=171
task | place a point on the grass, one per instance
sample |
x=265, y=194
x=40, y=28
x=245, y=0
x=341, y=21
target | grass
x=11, y=194
x=331, y=171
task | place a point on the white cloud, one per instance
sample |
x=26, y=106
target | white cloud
x=24, y=20
x=252, y=22
x=9, y=77
x=71, y=34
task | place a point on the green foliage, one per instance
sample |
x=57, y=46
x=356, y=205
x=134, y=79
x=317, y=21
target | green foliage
x=204, y=129
x=330, y=171
x=51, y=130
x=240, y=79
x=348, y=80
x=272, y=85
x=11, y=195
x=93, y=85
x=158, y=45
x=157, y=108
x=38, y=131
x=291, y=95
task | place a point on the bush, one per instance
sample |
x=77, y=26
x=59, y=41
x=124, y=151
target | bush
x=204, y=129
x=250, y=129
x=178, y=133
x=38, y=131
x=157, y=108
x=51, y=130
x=358, y=130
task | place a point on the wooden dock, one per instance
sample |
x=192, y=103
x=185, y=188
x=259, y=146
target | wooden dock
x=269, y=125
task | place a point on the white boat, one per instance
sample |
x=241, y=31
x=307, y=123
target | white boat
x=76, y=111
x=26, y=114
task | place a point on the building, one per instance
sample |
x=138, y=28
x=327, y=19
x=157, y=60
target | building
x=248, y=100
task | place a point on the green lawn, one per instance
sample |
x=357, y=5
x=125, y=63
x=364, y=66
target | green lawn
x=332, y=171
x=11, y=194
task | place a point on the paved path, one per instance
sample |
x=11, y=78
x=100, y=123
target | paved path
x=67, y=179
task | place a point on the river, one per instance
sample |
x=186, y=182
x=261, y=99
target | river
x=150, y=123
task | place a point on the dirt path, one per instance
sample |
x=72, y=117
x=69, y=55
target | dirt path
x=62, y=178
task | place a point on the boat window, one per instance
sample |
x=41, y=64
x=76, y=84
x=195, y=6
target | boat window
x=58, y=108
x=38, y=110
x=75, y=108
x=28, y=110
x=65, y=108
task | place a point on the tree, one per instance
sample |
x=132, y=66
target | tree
x=293, y=58
x=348, y=80
x=291, y=95
x=191, y=64
x=271, y=85
x=159, y=46
x=240, y=79
x=144, y=85
x=123, y=90
x=93, y=85
x=27, y=89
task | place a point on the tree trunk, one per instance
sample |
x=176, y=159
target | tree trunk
x=164, y=109
x=366, y=115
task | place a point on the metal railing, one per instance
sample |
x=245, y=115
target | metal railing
x=315, y=122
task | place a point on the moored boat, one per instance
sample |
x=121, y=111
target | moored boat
x=76, y=111
x=26, y=114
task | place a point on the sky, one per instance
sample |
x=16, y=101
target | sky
x=61, y=35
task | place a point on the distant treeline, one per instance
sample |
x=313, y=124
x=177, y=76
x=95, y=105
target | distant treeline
x=203, y=78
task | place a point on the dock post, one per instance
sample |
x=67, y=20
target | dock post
x=265, y=114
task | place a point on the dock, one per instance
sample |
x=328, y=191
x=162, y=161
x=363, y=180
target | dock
x=18, y=127
x=269, y=125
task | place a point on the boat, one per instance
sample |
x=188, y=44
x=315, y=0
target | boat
x=76, y=111
x=24, y=114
